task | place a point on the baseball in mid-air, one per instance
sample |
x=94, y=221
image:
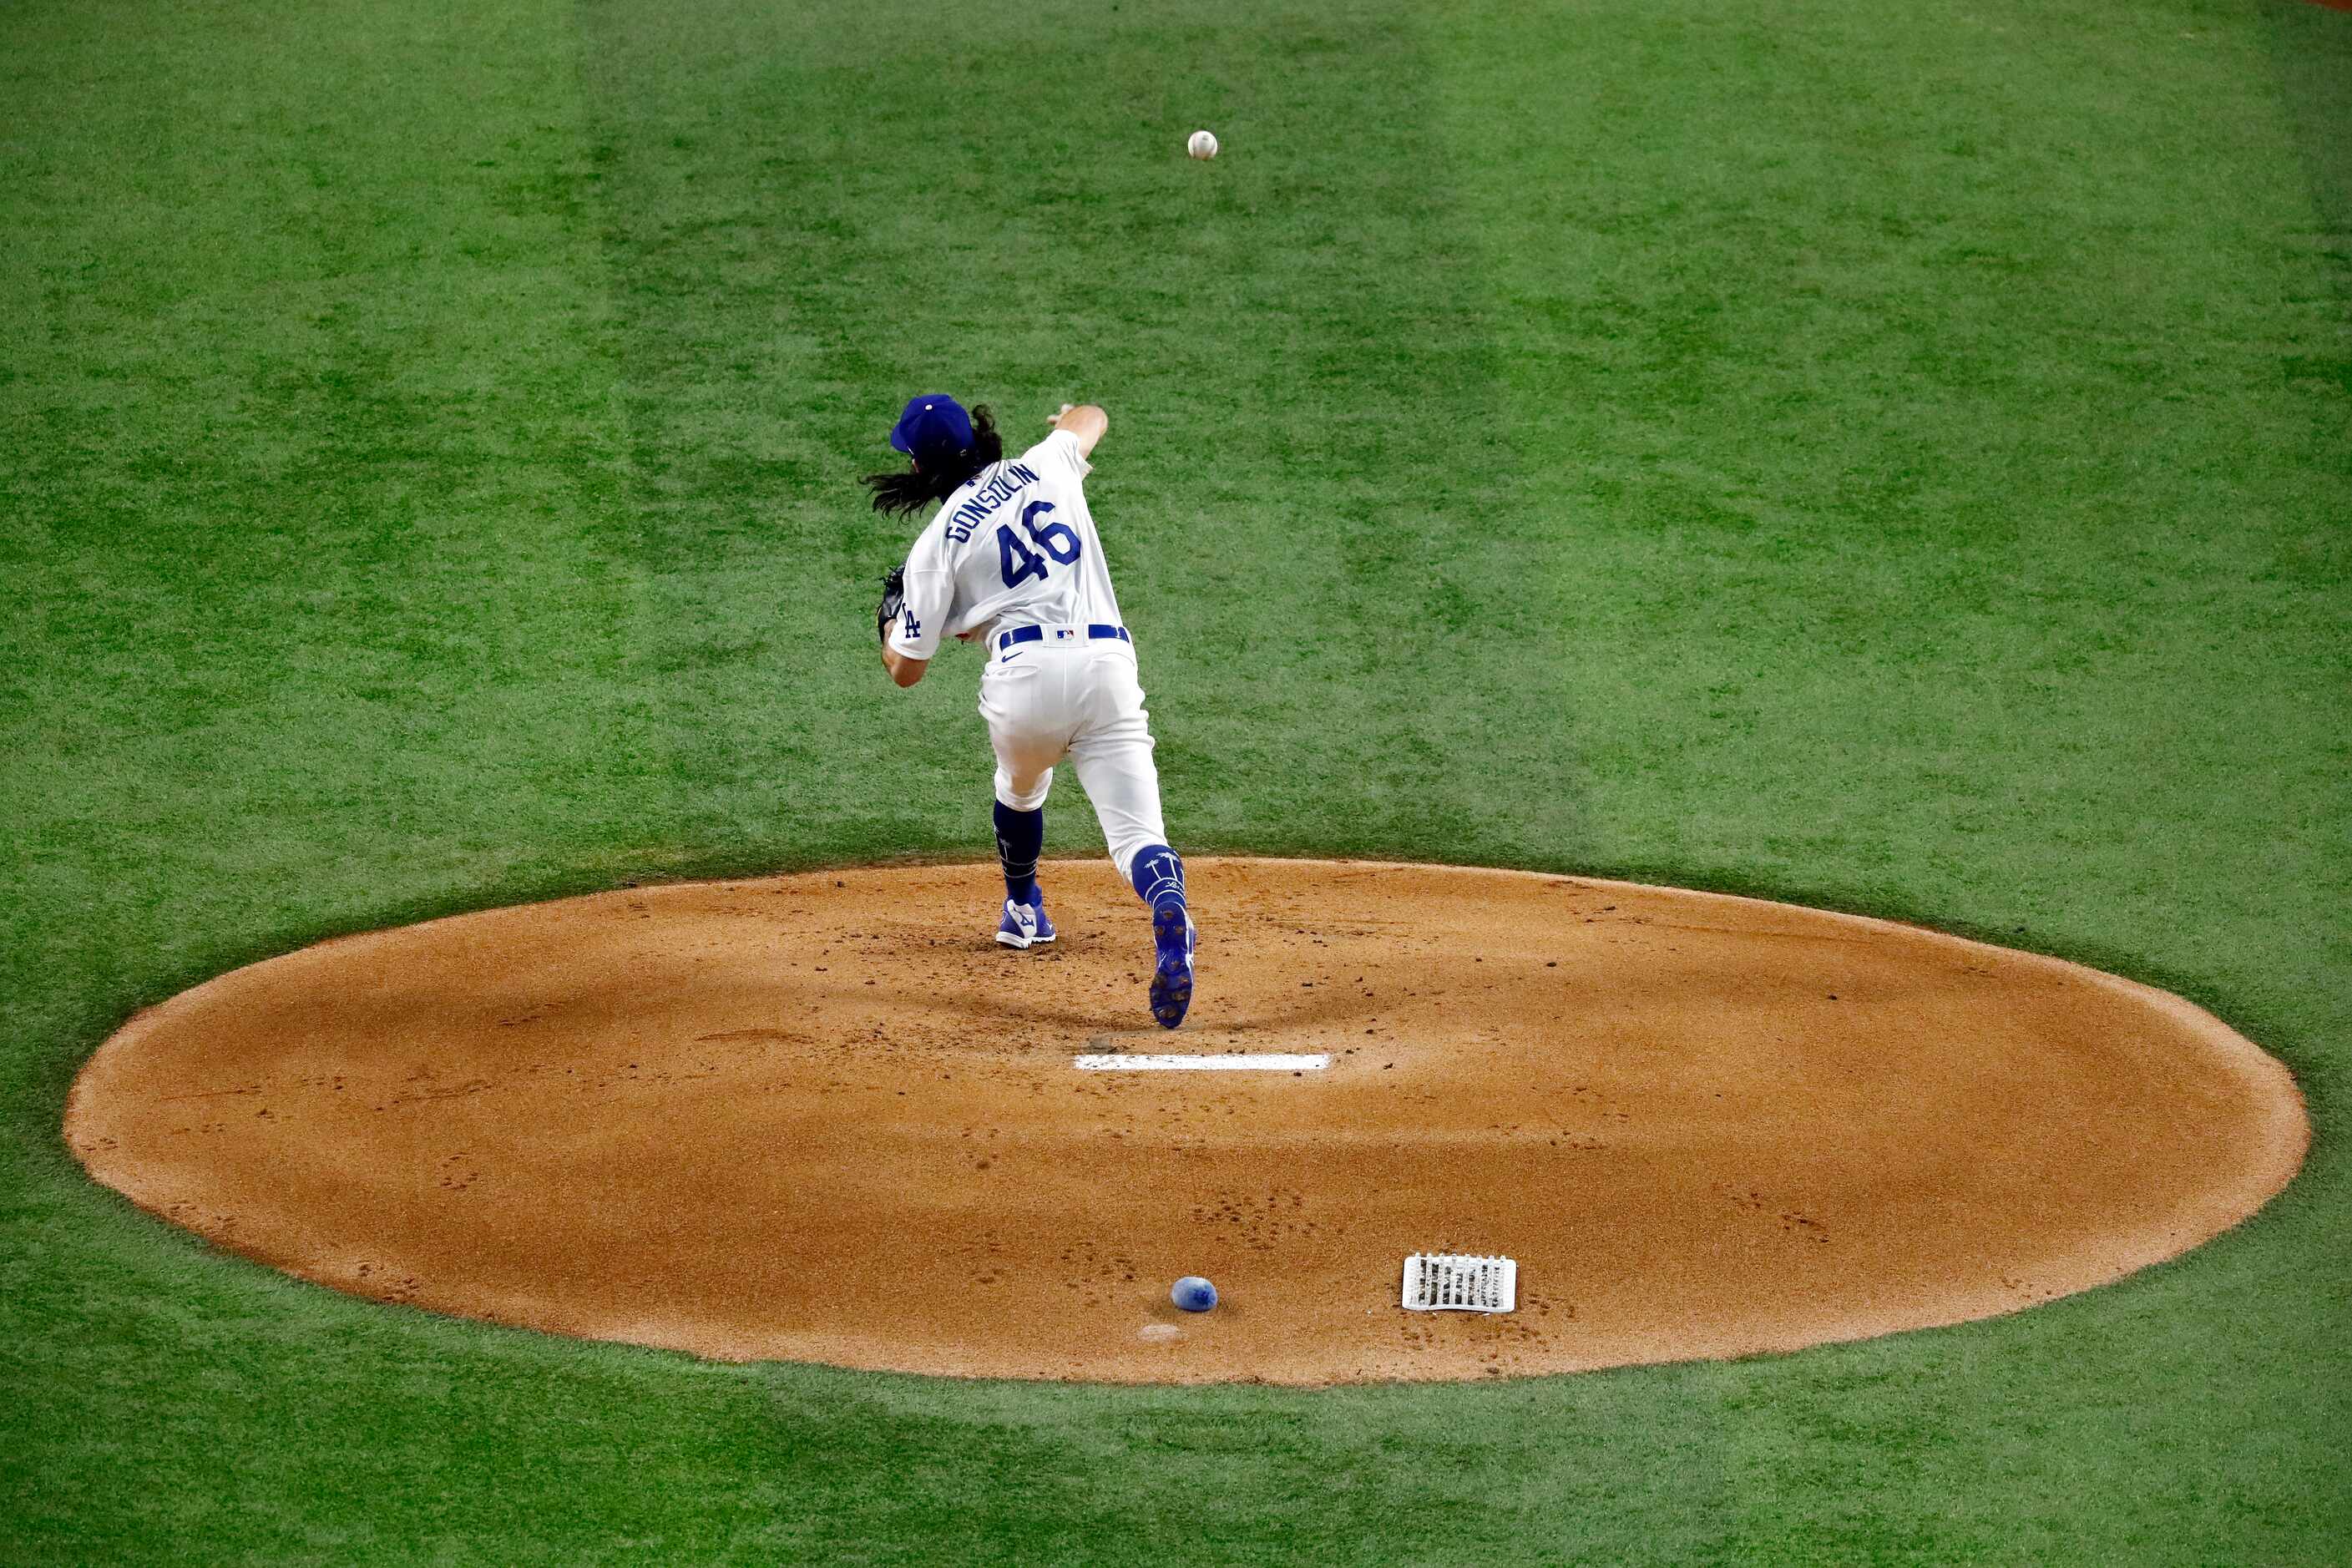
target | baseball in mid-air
x=1203, y=144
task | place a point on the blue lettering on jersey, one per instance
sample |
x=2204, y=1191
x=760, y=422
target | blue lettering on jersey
x=914, y=627
x=1016, y=564
x=1001, y=486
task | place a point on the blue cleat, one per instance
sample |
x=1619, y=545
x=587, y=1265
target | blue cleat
x=1172, y=978
x=1026, y=925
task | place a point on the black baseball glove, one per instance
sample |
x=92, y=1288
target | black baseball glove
x=894, y=599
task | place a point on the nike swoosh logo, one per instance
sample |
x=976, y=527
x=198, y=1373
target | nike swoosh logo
x=1008, y=659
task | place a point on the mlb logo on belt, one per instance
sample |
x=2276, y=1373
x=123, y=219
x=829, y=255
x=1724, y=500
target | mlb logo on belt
x=1061, y=633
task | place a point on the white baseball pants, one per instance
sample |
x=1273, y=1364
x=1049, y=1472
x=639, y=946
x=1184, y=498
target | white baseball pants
x=1072, y=696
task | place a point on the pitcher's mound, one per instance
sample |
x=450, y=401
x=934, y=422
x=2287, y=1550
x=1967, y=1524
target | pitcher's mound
x=825, y=1118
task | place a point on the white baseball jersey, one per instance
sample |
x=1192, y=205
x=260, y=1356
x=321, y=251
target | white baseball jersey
x=1014, y=547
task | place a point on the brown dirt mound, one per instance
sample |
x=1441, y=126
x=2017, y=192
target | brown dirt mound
x=824, y=1118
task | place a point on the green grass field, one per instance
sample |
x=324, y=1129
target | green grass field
x=1895, y=459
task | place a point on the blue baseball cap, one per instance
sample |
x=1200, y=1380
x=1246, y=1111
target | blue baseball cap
x=934, y=426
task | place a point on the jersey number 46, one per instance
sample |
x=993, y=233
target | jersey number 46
x=1017, y=561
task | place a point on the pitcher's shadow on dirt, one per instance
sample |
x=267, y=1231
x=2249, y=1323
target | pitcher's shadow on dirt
x=1116, y=1019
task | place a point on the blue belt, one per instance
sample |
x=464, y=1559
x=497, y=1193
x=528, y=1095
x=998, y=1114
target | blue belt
x=1037, y=634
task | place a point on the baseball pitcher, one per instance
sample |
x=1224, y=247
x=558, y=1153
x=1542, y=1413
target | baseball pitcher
x=1011, y=561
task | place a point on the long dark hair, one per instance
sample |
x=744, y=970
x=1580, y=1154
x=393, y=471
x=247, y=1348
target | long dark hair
x=912, y=488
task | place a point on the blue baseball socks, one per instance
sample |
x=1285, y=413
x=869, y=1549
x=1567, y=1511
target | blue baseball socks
x=1020, y=839
x=1158, y=873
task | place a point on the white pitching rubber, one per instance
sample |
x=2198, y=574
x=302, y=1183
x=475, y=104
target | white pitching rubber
x=1228, y=1062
